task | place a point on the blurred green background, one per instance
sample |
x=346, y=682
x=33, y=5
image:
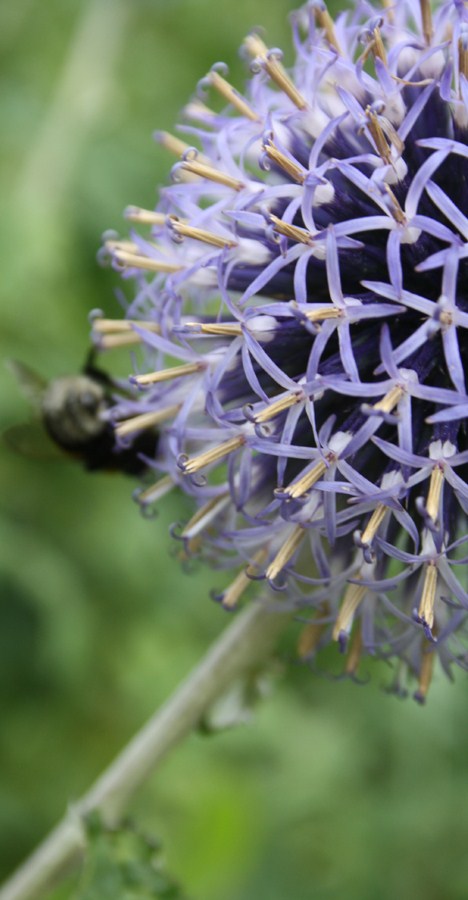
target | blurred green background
x=335, y=791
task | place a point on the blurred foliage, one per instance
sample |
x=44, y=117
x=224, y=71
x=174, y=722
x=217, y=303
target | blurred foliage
x=124, y=863
x=337, y=791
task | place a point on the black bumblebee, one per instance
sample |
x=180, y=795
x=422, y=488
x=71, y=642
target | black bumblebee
x=70, y=411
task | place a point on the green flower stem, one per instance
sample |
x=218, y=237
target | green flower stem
x=247, y=641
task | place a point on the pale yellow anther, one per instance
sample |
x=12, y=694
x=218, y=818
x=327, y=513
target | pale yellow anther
x=198, y=110
x=300, y=235
x=300, y=487
x=353, y=597
x=310, y=635
x=179, y=148
x=375, y=47
x=287, y=551
x=374, y=523
x=258, y=50
x=112, y=326
x=446, y=318
x=145, y=420
x=115, y=333
x=388, y=403
x=192, y=547
x=195, y=167
x=389, y=6
x=195, y=463
x=353, y=657
x=325, y=21
x=172, y=143
x=422, y=83
x=378, y=47
x=205, y=515
x=396, y=209
x=323, y=312
x=136, y=261
x=426, y=669
x=155, y=491
x=426, y=605
x=435, y=491
x=426, y=16
x=200, y=234
x=288, y=165
x=377, y=133
x=277, y=407
x=168, y=374
x=231, y=95
x=233, y=593
x=144, y=216
x=463, y=57
x=126, y=246
x=220, y=329
x=124, y=339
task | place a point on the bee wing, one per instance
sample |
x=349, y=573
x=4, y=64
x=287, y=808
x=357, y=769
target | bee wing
x=31, y=384
x=31, y=440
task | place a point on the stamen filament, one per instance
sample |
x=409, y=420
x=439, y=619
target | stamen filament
x=168, y=374
x=195, y=167
x=374, y=523
x=144, y=421
x=232, y=96
x=200, y=234
x=257, y=49
x=426, y=605
x=288, y=165
x=241, y=582
x=210, y=456
x=352, y=598
x=277, y=407
x=285, y=553
x=134, y=261
x=435, y=491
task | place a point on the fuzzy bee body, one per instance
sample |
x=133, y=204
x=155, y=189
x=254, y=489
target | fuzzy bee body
x=71, y=410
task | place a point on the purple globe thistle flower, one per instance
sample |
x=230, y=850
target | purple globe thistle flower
x=301, y=299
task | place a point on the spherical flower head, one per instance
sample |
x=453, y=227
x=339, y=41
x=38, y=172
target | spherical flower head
x=302, y=303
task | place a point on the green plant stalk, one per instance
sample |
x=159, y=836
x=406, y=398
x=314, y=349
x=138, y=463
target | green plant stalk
x=247, y=642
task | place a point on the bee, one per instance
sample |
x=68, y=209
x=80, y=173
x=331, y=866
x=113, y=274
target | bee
x=70, y=414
